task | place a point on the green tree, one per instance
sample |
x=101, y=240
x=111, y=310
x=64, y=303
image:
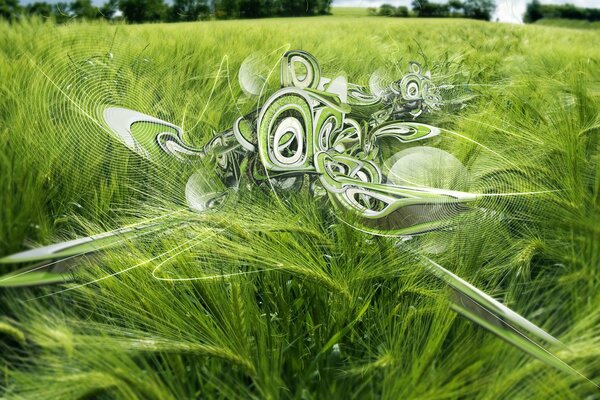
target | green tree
x=272, y=7
x=251, y=9
x=227, y=9
x=189, y=10
x=83, y=9
x=143, y=10
x=109, y=9
x=290, y=8
x=9, y=9
x=387, y=10
x=479, y=9
x=310, y=7
x=456, y=7
x=61, y=12
x=533, y=12
x=423, y=8
x=402, y=12
x=40, y=8
x=416, y=5
x=322, y=7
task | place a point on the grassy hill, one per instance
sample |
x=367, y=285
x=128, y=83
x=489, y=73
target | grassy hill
x=569, y=23
x=349, y=11
x=310, y=308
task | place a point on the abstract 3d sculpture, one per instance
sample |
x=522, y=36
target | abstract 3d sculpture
x=326, y=131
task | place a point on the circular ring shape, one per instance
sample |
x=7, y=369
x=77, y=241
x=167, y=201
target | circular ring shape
x=308, y=78
x=286, y=126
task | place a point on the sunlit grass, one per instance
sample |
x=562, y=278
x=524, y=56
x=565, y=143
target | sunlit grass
x=283, y=300
x=349, y=11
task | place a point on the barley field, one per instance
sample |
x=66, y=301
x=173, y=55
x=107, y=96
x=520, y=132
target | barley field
x=307, y=307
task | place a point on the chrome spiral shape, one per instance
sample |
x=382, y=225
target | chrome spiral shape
x=327, y=128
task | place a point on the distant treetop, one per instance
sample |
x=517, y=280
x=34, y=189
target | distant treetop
x=536, y=11
x=139, y=11
x=476, y=9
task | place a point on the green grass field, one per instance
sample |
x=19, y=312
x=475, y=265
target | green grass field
x=565, y=23
x=314, y=309
x=349, y=11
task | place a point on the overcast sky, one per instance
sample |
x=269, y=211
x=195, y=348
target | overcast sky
x=506, y=11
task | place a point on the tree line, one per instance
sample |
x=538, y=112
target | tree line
x=137, y=11
x=475, y=9
x=536, y=11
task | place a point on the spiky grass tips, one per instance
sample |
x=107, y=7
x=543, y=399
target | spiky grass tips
x=238, y=277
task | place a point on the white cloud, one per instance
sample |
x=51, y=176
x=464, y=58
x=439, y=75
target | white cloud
x=510, y=10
